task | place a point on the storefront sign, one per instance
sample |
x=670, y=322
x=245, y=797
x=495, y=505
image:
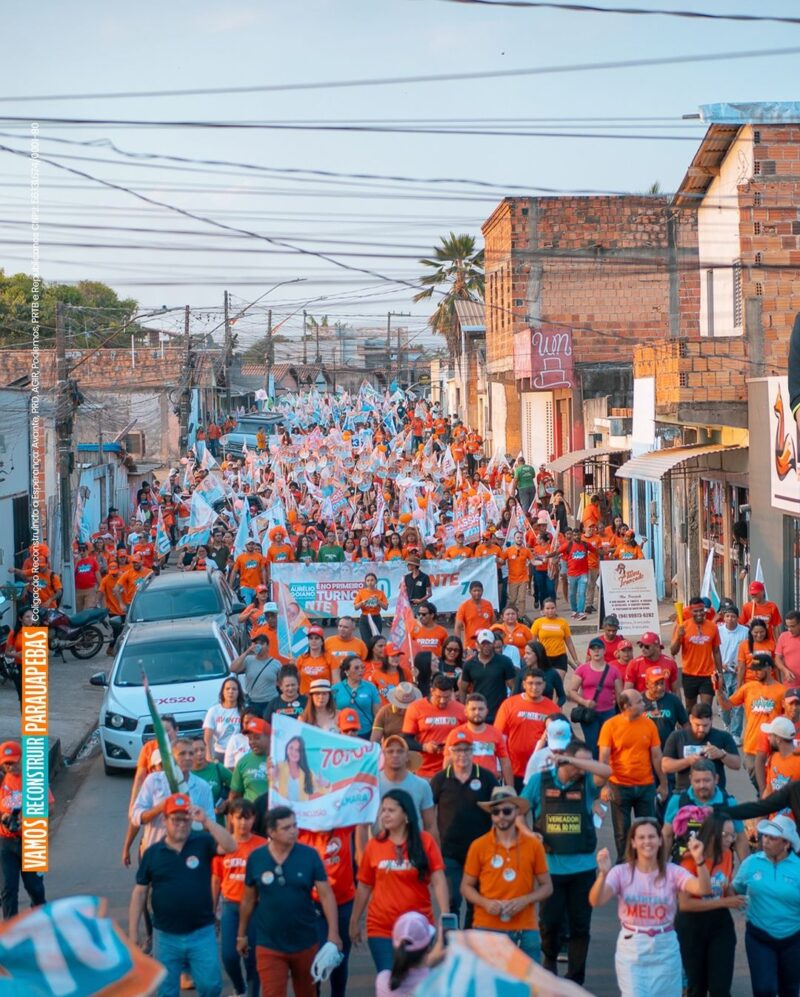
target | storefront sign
x=628, y=591
x=784, y=474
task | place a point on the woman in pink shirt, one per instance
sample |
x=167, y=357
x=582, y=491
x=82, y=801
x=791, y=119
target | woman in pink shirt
x=648, y=959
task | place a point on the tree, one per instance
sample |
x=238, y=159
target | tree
x=96, y=312
x=457, y=272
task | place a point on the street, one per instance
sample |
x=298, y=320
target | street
x=85, y=858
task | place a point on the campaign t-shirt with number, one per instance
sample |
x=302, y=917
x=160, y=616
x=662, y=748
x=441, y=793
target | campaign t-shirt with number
x=488, y=745
x=286, y=915
x=230, y=868
x=225, y=721
x=645, y=901
x=250, y=777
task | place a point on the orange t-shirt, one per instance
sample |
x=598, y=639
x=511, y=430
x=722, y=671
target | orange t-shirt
x=630, y=742
x=523, y=720
x=249, y=568
x=627, y=552
x=396, y=886
x=697, y=647
x=11, y=800
x=762, y=703
x=429, y=725
x=763, y=748
x=593, y=545
x=144, y=763
x=129, y=581
x=383, y=681
x=338, y=649
x=370, y=601
x=526, y=858
x=485, y=550
x=107, y=583
x=745, y=655
x=277, y=553
x=489, y=745
x=429, y=638
x=518, y=635
x=335, y=848
x=456, y=551
x=272, y=642
x=146, y=551
x=393, y=553
x=766, y=611
x=230, y=868
x=475, y=616
x=591, y=514
x=517, y=558
x=781, y=771
x=310, y=669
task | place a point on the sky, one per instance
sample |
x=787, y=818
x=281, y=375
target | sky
x=629, y=121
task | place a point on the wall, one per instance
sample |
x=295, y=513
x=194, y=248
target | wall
x=499, y=417
x=15, y=470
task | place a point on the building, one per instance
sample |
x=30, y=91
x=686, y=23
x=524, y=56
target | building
x=471, y=385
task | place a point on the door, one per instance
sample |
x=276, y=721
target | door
x=22, y=528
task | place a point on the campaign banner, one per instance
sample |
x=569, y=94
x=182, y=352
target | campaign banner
x=328, y=590
x=628, y=591
x=329, y=780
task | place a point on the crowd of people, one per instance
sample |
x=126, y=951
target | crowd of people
x=504, y=749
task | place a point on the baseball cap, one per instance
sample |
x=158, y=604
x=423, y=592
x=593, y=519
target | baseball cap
x=596, y=642
x=457, y=737
x=483, y=636
x=756, y=588
x=656, y=672
x=413, y=931
x=262, y=588
x=319, y=685
x=10, y=751
x=793, y=693
x=781, y=727
x=315, y=631
x=761, y=660
x=391, y=651
x=270, y=607
x=650, y=638
x=257, y=725
x=348, y=720
x=624, y=645
x=559, y=734
x=178, y=803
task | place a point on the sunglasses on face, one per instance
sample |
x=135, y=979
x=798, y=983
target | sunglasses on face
x=504, y=811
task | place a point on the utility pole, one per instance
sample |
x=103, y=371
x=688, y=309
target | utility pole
x=64, y=411
x=268, y=354
x=319, y=355
x=305, y=344
x=389, y=341
x=228, y=358
x=186, y=393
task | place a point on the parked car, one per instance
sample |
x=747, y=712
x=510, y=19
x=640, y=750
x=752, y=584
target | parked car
x=245, y=432
x=185, y=661
x=194, y=595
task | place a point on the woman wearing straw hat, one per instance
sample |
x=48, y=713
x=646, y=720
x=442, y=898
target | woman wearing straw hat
x=389, y=718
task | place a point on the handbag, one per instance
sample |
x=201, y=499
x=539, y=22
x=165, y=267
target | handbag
x=587, y=714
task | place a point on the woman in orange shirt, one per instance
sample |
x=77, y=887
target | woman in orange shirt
x=370, y=600
x=254, y=615
x=387, y=673
x=757, y=640
x=315, y=663
x=395, y=548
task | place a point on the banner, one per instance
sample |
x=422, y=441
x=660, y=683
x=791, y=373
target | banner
x=329, y=780
x=784, y=475
x=69, y=947
x=328, y=590
x=628, y=591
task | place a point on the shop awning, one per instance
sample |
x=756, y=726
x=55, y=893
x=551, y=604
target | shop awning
x=568, y=460
x=653, y=466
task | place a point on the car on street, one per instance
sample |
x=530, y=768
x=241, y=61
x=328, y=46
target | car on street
x=185, y=662
x=245, y=430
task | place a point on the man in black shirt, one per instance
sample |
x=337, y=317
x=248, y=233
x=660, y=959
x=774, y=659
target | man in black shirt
x=456, y=790
x=665, y=709
x=699, y=740
x=418, y=584
x=178, y=871
x=488, y=673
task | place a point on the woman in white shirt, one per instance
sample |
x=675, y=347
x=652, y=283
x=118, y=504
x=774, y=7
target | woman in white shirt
x=223, y=720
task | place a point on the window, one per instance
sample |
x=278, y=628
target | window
x=709, y=302
x=179, y=603
x=169, y=663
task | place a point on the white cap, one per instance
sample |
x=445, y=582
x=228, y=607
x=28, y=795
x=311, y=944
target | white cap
x=485, y=635
x=559, y=734
x=781, y=727
x=270, y=607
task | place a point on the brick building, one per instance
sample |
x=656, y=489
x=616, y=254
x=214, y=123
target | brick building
x=573, y=285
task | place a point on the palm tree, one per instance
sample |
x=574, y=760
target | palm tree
x=458, y=275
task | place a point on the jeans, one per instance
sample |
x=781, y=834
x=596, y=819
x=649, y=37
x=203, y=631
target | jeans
x=543, y=587
x=10, y=873
x=502, y=588
x=591, y=731
x=733, y=719
x=774, y=963
x=195, y=953
x=274, y=969
x=624, y=799
x=526, y=497
x=528, y=941
x=576, y=589
x=338, y=978
x=231, y=960
x=708, y=943
x=382, y=952
x=570, y=897
x=453, y=871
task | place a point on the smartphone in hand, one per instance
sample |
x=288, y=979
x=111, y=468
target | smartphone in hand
x=448, y=922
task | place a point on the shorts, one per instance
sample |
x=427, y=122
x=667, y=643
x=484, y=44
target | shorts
x=558, y=661
x=697, y=685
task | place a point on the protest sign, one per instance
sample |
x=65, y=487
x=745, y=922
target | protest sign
x=628, y=591
x=327, y=590
x=328, y=779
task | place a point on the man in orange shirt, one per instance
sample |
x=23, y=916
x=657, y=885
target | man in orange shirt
x=758, y=607
x=427, y=722
x=108, y=598
x=783, y=764
x=426, y=633
x=459, y=548
x=488, y=743
x=699, y=642
x=344, y=642
x=518, y=558
x=280, y=549
x=129, y=581
x=591, y=513
x=791, y=710
x=522, y=719
x=475, y=614
x=630, y=744
x=506, y=874
x=249, y=571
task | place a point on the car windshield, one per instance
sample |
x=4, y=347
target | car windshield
x=169, y=662
x=179, y=603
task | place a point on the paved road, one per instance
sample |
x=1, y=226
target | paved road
x=85, y=859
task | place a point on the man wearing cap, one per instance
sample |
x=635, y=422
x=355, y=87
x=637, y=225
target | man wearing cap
x=389, y=718
x=664, y=708
x=250, y=776
x=787, y=650
x=11, y=835
x=506, y=875
x=698, y=641
x=758, y=607
x=783, y=764
x=703, y=791
x=87, y=578
x=427, y=722
x=492, y=675
x=522, y=719
x=399, y=765
x=177, y=870
x=699, y=738
x=348, y=721
x=562, y=798
x=147, y=810
x=489, y=744
x=107, y=598
x=764, y=747
x=459, y=548
x=260, y=670
x=731, y=634
x=417, y=583
x=456, y=790
x=651, y=655
x=249, y=571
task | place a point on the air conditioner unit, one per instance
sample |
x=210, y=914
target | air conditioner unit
x=134, y=443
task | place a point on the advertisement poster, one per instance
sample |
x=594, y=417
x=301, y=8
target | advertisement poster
x=628, y=591
x=784, y=475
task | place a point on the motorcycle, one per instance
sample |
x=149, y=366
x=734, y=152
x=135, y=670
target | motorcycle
x=78, y=634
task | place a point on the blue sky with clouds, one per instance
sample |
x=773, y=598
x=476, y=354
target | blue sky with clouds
x=98, y=47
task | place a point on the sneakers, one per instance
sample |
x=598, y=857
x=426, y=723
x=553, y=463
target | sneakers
x=579, y=616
